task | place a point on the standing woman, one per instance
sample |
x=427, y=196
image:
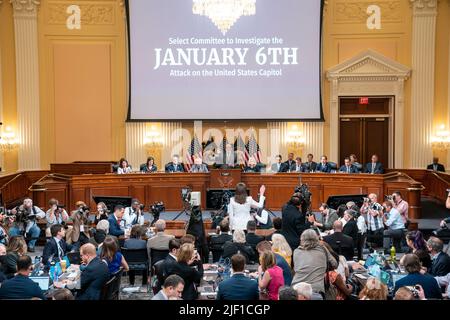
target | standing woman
x=240, y=205
x=149, y=166
x=123, y=167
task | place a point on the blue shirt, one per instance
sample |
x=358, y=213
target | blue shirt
x=115, y=264
x=395, y=220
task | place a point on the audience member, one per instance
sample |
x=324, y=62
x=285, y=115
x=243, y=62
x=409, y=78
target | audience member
x=160, y=241
x=281, y=247
x=340, y=242
x=101, y=231
x=238, y=286
x=190, y=268
x=17, y=247
x=418, y=246
x=444, y=282
x=56, y=248
x=167, y=264
x=2, y=263
x=270, y=276
x=188, y=238
x=362, y=235
x=238, y=246
x=102, y=213
x=335, y=278
x=135, y=242
x=149, y=166
x=287, y=293
x=410, y=293
x=436, y=166
x=374, y=290
x=351, y=226
x=240, y=205
x=175, y=165
x=328, y=217
x=4, y=221
x=374, y=166
x=116, y=222
x=293, y=221
x=252, y=239
x=62, y=294
x=124, y=167
x=134, y=214
x=304, y=291
x=310, y=165
x=440, y=261
x=280, y=261
x=277, y=228
x=172, y=288
x=110, y=253
x=216, y=242
x=311, y=261
x=21, y=286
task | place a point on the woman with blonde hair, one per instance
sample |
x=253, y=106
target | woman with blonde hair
x=270, y=276
x=374, y=290
x=280, y=246
x=17, y=247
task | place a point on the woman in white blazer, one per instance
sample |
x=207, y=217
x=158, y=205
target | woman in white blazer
x=240, y=205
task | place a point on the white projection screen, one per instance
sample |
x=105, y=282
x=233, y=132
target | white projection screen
x=224, y=59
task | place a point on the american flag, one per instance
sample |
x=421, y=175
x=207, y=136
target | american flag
x=194, y=150
x=252, y=150
x=240, y=148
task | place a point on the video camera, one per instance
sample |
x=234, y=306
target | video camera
x=156, y=209
x=186, y=194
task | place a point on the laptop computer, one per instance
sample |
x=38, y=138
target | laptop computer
x=43, y=282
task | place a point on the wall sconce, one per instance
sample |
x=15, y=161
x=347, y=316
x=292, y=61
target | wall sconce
x=441, y=141
x=295, y=138
x=153, y=138
x=8, y=141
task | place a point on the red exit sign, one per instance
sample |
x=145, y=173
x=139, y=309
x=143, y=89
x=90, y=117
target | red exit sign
x=364, y=100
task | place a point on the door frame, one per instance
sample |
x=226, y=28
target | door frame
x=391, y=125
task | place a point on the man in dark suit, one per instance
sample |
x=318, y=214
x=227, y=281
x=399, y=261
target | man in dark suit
x=172, y=288
x=95, y=275
x=351, y=226
x=238, y=287
x=298, y=166
x=279, y=166
x=310, y=165
x=252, y=238
x=216, y=242
x=293, y=222
x=348, y=167
x=171, y=259
x=339, y=242
x=436, y=166
x=440, y=261
x=175, y=165
x=21, y=286
x=374, y=166
x=323, y=165
x=55, y=248
x=290, y=162
x=115, y=221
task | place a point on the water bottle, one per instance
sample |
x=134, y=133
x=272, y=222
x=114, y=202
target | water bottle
x=210, y=257
x=393, y=253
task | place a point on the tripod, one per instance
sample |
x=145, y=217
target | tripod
x=185, y=210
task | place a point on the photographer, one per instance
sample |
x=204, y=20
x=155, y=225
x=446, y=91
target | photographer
x=3, y=233
x=294, y=222
x=55, y=215
x=134, y=214
x=102, y=212
x=402, y=206
x=329, y=216
x=24, y=222
x=373, y=212
x=80, y=233
x=394, y=221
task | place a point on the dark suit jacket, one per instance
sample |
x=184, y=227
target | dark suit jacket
x=346, y=245
x=252, y=240
x=310, y=166
x=291, y=165
x=440, y=167
x=51, y=249
x=11, y=264
x=216, y=244
x=323, y=168
x=428, y=283
x=20, y=287
x=238, y=287
x=353, y=169
x=231, y=248
x=114, y=227
x=190, y=275
x=302, y=168
x=440, y=266
x=170, y=167
x=378, y=168
x=93, y=278
x=284, y=167
x=351, y=229
x=153, y=168
x=293, y=225
x=135, y=244
x=167, y=266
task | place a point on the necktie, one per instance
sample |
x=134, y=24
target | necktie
x=60, y=250
x=434, y=167
x=373, y=167
x=348, y=169
x=376, y=223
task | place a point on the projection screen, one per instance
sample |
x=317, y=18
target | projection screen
x=224, y=59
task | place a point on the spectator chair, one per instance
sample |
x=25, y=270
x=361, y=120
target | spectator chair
x=137, y=260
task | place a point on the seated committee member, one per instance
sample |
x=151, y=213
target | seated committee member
x=252, y=166
x=124, y=167
x=149, y=166
x=374, y=166
x=198, y=166
x=240, y=205
x=310, y=165
x=56, y=248
x=290, y=162
x=348, y=167
x=21, y=286
x=171, y=289
x=298, y=166
x=354, y=161
x=115, y=221
x=436, y=166
x=323, y=165
x=279, y=166
x=238, y=287
x=175, y=165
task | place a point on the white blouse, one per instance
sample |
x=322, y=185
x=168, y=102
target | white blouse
x=239, y=214
x=121, y=170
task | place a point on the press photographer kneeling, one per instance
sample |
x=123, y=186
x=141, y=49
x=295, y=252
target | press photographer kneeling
x=24, y=222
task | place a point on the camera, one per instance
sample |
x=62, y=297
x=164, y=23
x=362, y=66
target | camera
x=414, y=290
x=365, y=199
x=376, y=207
x=60, y=206
x=156, y=209
x=389, y=198
x=141, y=207
x=186, y=193
x=6, y=212
x=84, y=208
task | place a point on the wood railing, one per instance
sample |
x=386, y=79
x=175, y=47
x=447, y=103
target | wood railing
x=14, y=187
